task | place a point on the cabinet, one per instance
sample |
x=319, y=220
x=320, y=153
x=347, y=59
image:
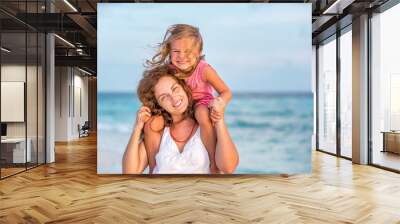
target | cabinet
x=391, y=141
x=13, y=150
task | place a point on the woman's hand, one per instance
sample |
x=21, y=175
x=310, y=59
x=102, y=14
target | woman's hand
x=142, y=116
x=217, y=107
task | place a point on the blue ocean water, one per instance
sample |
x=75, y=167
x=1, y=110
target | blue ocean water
x=272, y=132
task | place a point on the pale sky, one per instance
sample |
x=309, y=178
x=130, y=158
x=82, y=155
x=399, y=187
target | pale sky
x=254, y=47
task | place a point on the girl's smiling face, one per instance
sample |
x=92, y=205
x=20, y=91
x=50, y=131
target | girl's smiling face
x=171, y=96
x=184, y=53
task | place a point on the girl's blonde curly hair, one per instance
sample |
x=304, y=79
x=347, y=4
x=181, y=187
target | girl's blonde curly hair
x=174, y=32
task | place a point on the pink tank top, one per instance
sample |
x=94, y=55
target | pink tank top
x=202, y=91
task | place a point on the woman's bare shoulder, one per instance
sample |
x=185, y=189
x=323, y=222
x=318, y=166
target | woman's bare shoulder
x=155, y=124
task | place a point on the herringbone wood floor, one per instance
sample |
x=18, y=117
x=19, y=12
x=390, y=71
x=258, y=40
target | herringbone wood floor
x=70, y=191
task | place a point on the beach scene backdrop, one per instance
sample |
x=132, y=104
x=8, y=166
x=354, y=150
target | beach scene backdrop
x=272, y=132
x=261, y=51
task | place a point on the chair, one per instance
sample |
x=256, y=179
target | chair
x=84, y=130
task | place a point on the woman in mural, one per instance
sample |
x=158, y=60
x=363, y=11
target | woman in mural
x=180, y=146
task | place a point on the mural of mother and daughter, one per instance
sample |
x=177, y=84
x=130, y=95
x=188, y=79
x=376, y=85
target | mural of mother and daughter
x=183, y=123
x=225, y=90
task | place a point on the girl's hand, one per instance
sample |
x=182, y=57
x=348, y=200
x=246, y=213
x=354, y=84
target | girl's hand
x=217, y=109
x=218, y=105
x=216, y=116
x=142, y=116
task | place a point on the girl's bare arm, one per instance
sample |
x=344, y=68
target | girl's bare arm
x=211, y=76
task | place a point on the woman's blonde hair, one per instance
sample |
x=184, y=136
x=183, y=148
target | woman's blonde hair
x=146, y=93
x=174, y=32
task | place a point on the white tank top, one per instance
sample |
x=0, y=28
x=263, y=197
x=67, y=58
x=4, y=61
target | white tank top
x=193, y=159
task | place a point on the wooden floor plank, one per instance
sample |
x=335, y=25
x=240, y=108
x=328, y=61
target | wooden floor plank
x=70, y=191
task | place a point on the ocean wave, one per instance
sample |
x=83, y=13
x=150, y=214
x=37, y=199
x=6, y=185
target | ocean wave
x=270, y=113
x=277, y=113
x=249, y=124
x=120, y=128
x=278, y=125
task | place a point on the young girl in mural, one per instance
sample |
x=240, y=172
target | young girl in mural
x=181, y=50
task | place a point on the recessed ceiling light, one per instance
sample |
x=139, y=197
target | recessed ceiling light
x=84, y=71
x=5, y=50
x=338, y=6
x=71, y=6
x=64, y=40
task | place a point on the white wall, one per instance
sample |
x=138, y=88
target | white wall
x=62, y=80
x=81, y=89
x=12, y=73
x=71, y=87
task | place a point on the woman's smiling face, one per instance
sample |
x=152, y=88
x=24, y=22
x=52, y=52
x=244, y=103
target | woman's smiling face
x=171, y=96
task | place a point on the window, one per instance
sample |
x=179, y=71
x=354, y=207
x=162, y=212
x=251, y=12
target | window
x=22, y=67
x=385, y=89
x=327, y=96
x=346, y=93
